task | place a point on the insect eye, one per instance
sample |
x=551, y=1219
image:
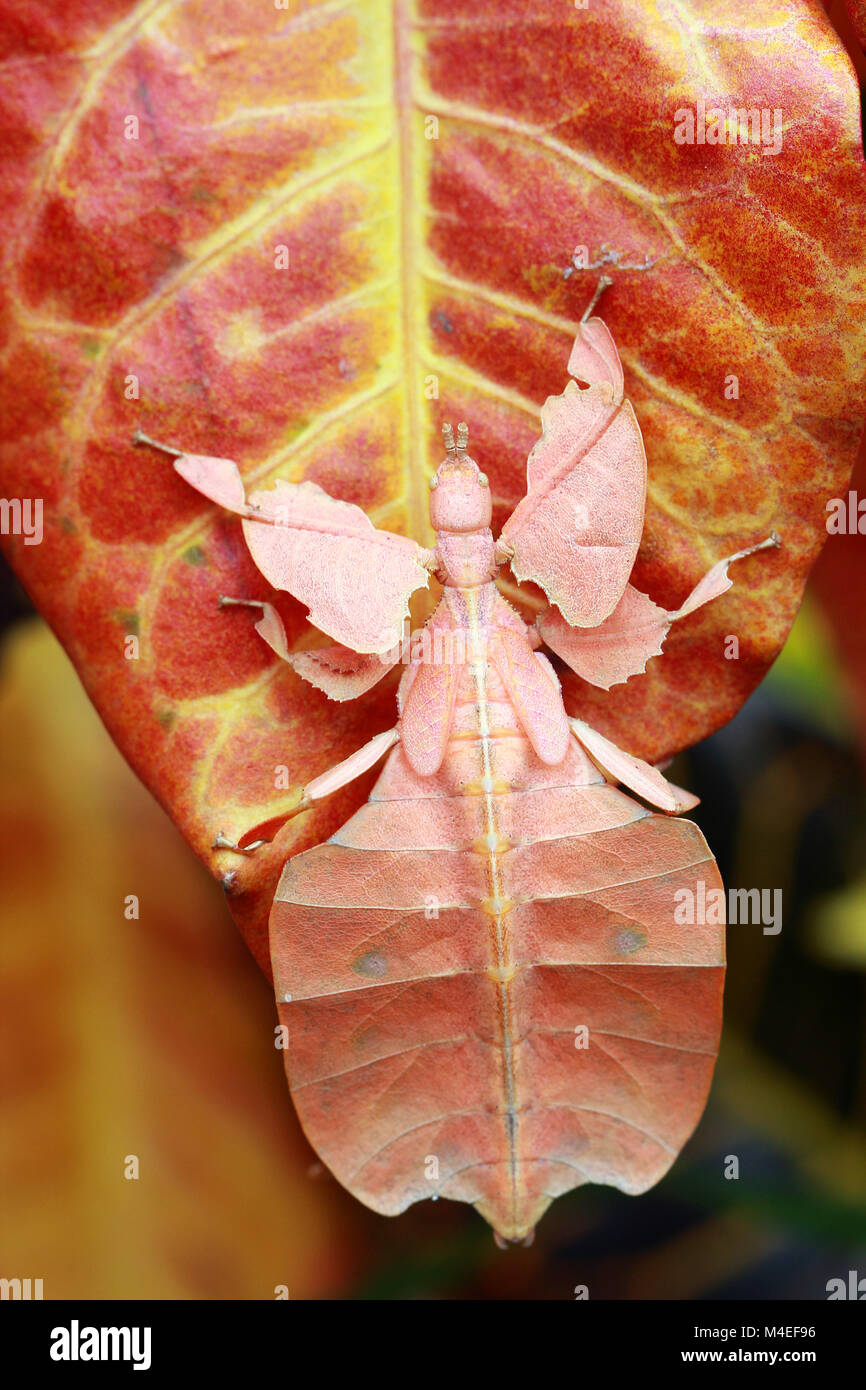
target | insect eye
x=434, y=481
x=483, y=480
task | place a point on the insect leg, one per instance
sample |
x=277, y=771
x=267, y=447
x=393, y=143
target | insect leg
x=604, y=283
x=633, y=772
x=717, y=581
x=320, y=787
x=141, y=438
x=269, y=626
x=350, y=768
x=222, y=841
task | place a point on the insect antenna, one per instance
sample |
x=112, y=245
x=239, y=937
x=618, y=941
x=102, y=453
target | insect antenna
x=448, y=436
x=462, y=437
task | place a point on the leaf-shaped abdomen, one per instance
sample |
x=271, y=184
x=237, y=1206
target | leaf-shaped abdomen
x=428, y=1021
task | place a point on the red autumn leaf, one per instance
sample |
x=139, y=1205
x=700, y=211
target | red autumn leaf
x=286, y=236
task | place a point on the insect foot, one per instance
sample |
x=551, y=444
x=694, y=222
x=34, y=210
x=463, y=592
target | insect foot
x=223, y=601
x=223, y=842
x=140, y=438
x=267, y=830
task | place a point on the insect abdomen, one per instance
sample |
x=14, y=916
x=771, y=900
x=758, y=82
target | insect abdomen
x=436, y=1042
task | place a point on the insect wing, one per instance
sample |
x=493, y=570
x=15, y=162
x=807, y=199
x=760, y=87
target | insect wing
x=428, y=712
x=577, y=531
x=355, y=579
x=534, y=692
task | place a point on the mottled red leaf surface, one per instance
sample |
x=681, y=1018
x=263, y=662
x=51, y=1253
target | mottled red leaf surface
x=160, y=162
x=856, y=10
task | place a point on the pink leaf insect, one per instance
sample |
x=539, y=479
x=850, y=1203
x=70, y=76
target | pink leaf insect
x=488, y=994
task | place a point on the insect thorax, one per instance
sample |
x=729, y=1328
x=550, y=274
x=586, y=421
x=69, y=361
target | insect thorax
x=467, y=559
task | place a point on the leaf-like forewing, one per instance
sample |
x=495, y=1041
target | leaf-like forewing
x=534, y=692
x=577, y=531
x=427, y=713
x=355, y=579
x=321, y=550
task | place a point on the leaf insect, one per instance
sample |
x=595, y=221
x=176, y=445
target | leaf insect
x=432, y=1049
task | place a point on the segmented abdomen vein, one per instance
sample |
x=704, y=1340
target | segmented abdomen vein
x=496, y=905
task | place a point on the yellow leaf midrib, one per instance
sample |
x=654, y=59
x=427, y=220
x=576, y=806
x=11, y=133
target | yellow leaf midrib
x=411, y=199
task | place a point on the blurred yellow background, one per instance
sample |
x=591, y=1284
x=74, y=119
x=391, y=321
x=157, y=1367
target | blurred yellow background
x=150, y=1037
